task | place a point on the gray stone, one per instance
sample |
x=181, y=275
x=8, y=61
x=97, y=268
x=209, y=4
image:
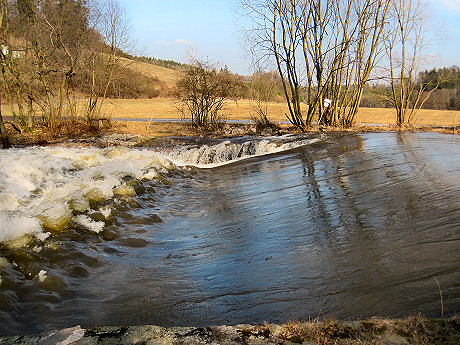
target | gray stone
x=23, y=340
x=354, y=325
x=287, y=342
x=63, y=337
x=160, y=341
x=266, y=131
x=145, y=334
x=276, y=330
x=103, y=335
x=225, y=332
x=226, y=342
x=258, y=341
x=154, y=335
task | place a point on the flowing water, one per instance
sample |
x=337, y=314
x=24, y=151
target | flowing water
x=348, y=225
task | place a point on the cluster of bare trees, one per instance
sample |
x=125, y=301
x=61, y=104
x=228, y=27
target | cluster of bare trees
x=328, y=50
x=51, y=49
x=263, y=88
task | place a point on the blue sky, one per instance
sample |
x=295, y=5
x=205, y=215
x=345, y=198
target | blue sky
x=446, y=51
x=169, y=29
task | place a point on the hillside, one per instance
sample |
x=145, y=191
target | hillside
x=166, y=75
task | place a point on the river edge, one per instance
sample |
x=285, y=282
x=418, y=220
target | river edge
x=131, y=133
x=412, y=330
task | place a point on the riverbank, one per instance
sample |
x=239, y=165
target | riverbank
x=413, y=330
x=140, y=131
x=159, y=117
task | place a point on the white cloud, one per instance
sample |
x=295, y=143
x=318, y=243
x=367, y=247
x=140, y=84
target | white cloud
x=449, y=4
x=176, y=43
x=184, y=42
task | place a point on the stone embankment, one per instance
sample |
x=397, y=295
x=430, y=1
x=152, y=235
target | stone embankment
x=414, y=330
x=154, y=335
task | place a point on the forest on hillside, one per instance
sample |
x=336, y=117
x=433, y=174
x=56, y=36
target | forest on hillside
x=443, y=83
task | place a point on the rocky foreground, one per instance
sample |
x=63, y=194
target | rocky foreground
x=413, y=330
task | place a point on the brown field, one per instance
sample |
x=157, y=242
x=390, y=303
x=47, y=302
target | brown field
x=163, y=108
x=424, y=117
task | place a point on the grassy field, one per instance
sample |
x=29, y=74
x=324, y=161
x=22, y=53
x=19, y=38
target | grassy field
x=163, y=108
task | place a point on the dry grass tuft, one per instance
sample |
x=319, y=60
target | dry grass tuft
x=412, y=330
x=67, y=129
x=321, y=332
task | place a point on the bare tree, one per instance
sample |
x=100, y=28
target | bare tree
x=357, y=47
x=275, y=34
x=3, y=35
x=52, y=36
x=65, y=48
x=263, y=88
x=202, y=91
x=109, y=20
x=406, y=40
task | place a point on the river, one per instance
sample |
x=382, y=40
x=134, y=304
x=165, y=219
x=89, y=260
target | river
x=203, y=232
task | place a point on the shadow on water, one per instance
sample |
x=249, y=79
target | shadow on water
x=354, y=226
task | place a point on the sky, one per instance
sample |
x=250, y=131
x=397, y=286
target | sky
x=211, y=30
x=446, y=50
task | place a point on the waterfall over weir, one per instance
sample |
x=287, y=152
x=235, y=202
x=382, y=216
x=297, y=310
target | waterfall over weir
x=200, y=231
x=212, y=153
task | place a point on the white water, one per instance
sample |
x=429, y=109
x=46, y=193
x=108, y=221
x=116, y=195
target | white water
x=211, y=156
x=43, y=189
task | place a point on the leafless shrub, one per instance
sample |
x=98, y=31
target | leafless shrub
x=202, y=92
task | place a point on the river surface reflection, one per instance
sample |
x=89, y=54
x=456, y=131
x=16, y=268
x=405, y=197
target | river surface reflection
x=356, y=225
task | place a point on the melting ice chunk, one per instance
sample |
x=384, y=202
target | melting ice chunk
x=54, y=216
x=89, y=223
x=42, y=276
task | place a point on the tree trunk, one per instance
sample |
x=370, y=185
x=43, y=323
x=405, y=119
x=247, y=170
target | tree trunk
x=5, y=141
